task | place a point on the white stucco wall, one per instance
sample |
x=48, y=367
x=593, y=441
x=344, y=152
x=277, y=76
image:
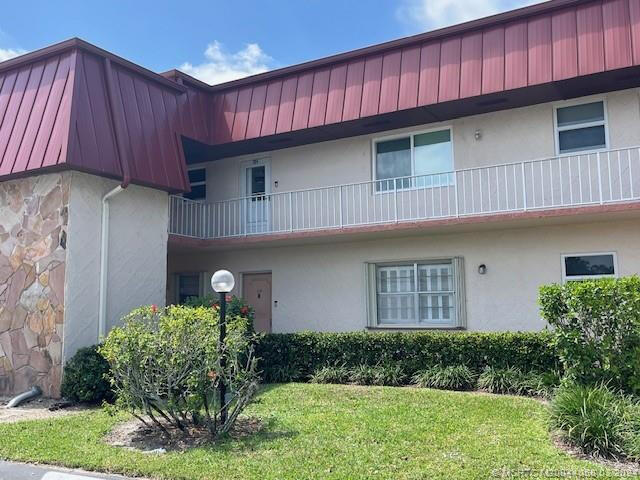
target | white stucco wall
x=322, y=287
x=507, y=136
x=137, y=255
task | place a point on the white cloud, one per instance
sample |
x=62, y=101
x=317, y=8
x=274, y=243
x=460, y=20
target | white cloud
x=431, y=14
x=7, y=53
x=221, y=66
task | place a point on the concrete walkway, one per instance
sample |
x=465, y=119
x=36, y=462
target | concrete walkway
x=23, y=471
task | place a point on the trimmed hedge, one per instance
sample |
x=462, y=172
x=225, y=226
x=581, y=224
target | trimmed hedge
x=297, y=356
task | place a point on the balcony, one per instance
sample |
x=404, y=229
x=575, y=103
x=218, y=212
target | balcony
x=569, y=181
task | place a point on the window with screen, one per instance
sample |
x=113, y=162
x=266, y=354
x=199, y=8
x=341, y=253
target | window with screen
x=581, y=128
x=420, y=160
x=417, y=294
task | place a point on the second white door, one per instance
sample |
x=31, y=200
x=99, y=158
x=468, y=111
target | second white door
x=257, y=185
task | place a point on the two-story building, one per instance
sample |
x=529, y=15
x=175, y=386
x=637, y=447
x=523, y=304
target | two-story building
x=432, y=182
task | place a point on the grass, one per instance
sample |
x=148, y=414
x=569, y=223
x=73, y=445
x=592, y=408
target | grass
x=326, y=431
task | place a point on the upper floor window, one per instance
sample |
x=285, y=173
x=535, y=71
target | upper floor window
x=581, y=127
x=427, y=157
x=589, y=266
x=198, y=182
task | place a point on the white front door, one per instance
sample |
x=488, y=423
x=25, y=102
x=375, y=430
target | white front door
x=257, y=185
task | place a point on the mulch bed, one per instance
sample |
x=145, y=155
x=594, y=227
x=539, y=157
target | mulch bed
x=135, y=435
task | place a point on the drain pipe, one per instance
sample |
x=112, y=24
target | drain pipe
x=23, y=397
x=104, y=260
x=115, y=109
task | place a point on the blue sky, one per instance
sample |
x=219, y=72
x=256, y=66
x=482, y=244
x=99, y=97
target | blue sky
x=220, y=40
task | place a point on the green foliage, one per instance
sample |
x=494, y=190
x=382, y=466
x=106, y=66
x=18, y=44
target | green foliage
x=236, y=306
x=542, y=384
x=330, y=374
x=597, y=330
x=166, y=366
x=284, y=374
x=508, y=380
x=391, y=375
x=85, y=377
x=454, y=377
x=303, y=354
x=592, y=418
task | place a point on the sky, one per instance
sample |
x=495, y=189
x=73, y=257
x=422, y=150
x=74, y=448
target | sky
x=221, y=40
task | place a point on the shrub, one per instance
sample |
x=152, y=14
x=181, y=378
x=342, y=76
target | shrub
x=459, y=377
x=166, y=367
x=391, y=375
x=305, y=353
x=542, y=384
x=590, y=417
x=85, y=377
x=597, y=330
x=631, y=428
x=330, y=374
x=284, y=374
x=509, y=380
x=236, y=306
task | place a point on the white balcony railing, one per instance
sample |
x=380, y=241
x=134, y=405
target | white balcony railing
x=566, y=181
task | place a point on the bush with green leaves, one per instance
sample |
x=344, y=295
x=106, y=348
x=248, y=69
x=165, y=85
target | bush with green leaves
x=597, y=330
x=337, y=374
x=510, y=380
x=284, y=374
x=542, y=384
x=592, y=418
x=454, y=377
x=236, y=306
x=166, y=366
x=85, y=377
x=304, y=353
x=390, y=375
x=631, y=428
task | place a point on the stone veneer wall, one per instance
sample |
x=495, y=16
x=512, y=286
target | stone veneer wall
x=33, y=224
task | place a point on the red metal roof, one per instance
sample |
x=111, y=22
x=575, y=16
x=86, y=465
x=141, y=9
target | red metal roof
x=76, y=106
x=35, y=110
x=548, y=42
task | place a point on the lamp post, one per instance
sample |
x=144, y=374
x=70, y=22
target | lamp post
x=222, y=282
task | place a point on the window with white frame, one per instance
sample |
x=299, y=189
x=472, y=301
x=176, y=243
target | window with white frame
x=425, y=157
x=416, y=294
x=589, y=266
x=581, y=127
x=198, y=183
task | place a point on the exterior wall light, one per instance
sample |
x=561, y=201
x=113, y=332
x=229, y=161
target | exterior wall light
x=222, y=282
x=482, y=269
x=478, y=134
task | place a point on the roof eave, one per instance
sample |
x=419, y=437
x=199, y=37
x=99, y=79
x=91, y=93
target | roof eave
x=78, y=43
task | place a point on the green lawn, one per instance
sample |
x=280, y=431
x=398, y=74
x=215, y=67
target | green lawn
x=326, y=431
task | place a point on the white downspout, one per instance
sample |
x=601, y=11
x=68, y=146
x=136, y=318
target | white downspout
x=104, y=260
